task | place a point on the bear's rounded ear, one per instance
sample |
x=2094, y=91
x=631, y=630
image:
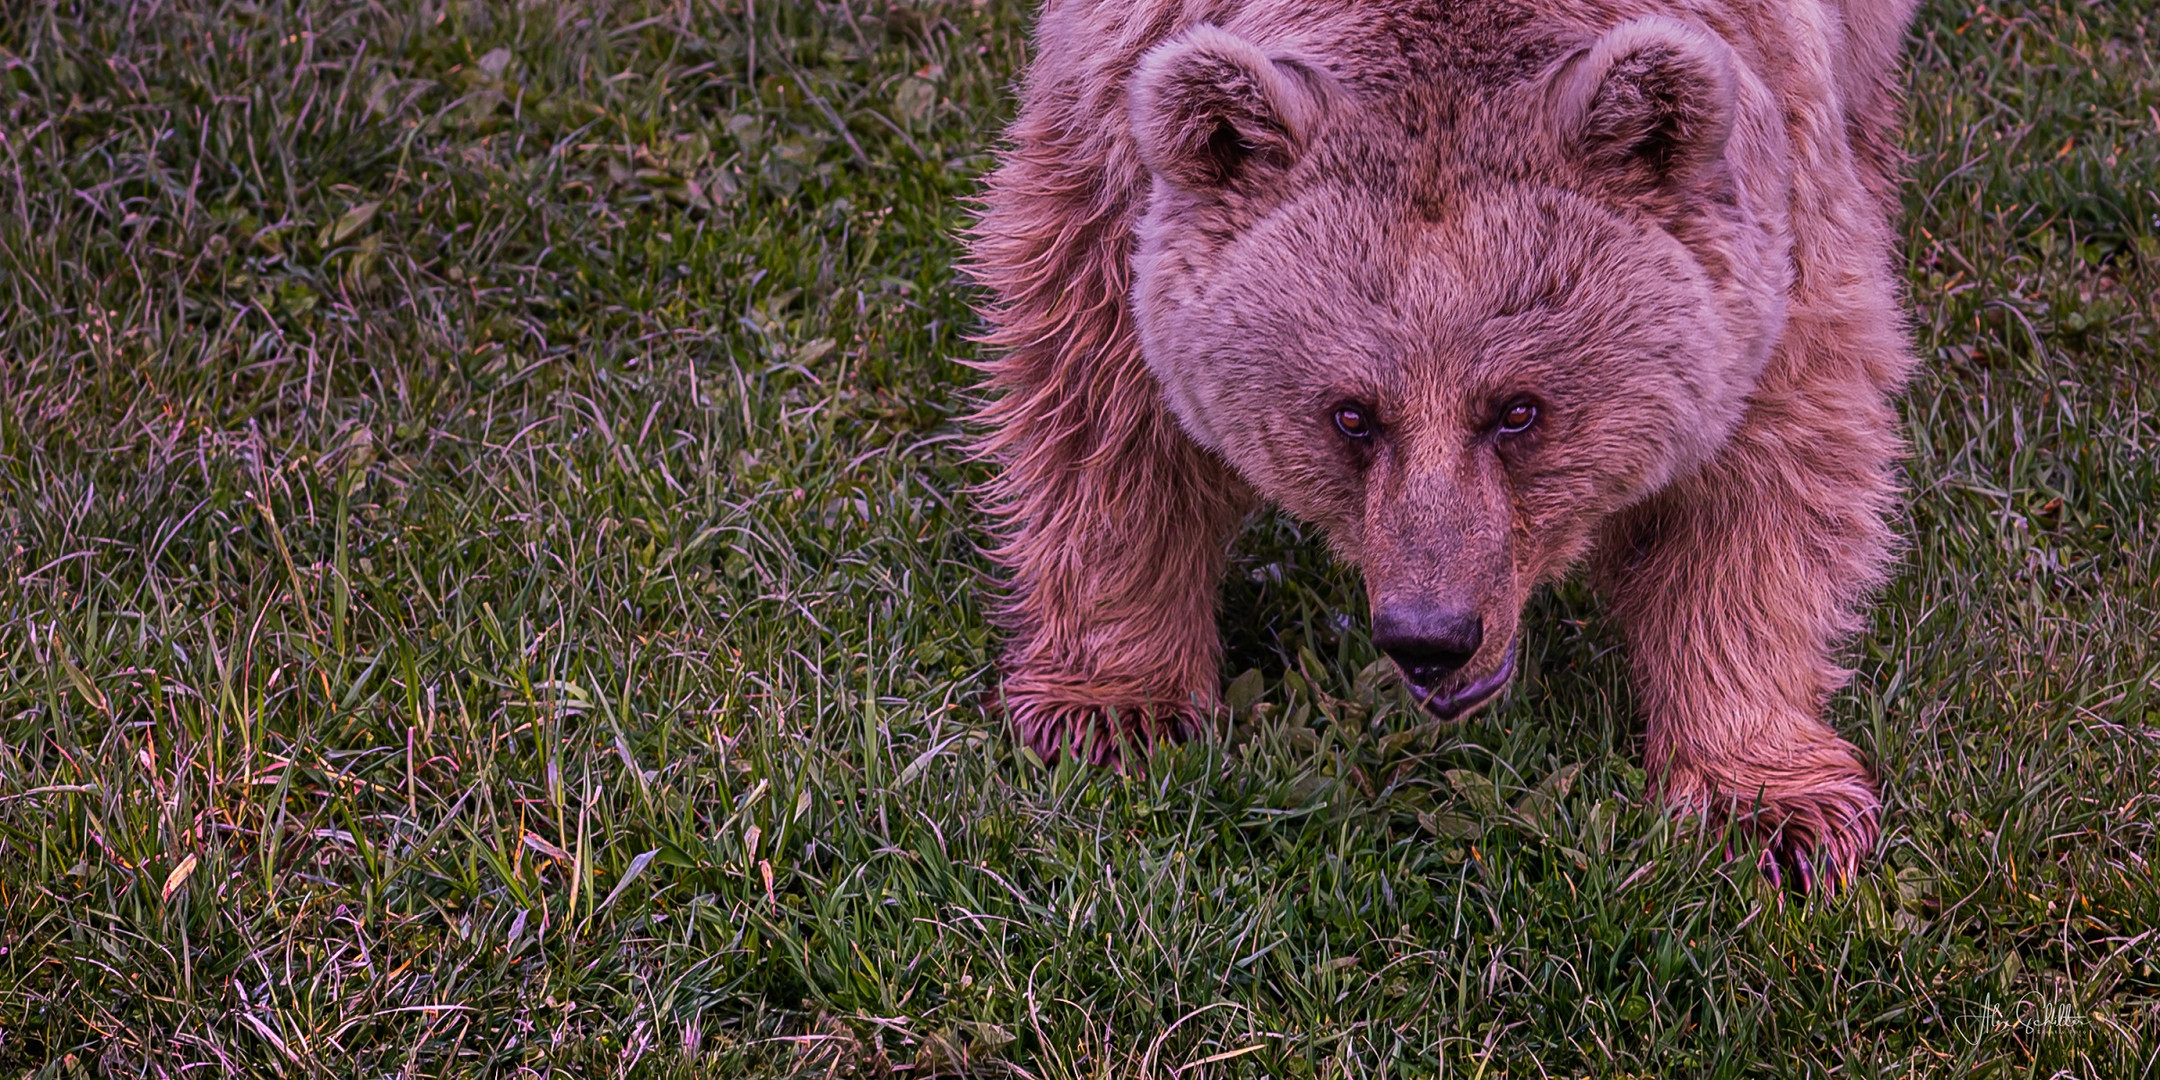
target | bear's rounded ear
x=1209, y=108
x=1652, y=95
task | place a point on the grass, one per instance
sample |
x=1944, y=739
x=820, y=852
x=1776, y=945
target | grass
x=488, y=587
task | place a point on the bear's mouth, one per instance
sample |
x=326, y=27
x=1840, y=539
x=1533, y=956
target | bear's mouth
x=1453, y=704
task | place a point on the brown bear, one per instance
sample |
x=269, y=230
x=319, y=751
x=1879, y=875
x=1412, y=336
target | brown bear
x=1489, y=290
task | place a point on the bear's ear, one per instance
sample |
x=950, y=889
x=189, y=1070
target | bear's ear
x=1209, y=108
x=1654, y=95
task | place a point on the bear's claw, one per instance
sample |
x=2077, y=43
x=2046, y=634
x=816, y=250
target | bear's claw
x=1098, y=733
x=1816, y=838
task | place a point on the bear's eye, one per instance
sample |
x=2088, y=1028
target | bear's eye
x=1353, y=423
x=1518, y=416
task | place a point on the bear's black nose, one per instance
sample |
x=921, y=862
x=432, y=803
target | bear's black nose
x=1428, y=642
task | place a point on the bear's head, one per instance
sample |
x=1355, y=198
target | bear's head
x=1460, y=322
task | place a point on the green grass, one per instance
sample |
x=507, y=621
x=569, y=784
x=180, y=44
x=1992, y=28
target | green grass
x=488, y=586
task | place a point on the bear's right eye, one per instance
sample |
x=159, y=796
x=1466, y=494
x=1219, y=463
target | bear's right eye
x=1353, y=423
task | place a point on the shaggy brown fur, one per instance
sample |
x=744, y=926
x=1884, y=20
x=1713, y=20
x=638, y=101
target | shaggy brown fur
x=1491, y=289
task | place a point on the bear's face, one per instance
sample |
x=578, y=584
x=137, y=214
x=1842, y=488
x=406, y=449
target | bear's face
x=1461, y=350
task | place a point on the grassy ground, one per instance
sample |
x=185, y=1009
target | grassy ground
x=488, y=586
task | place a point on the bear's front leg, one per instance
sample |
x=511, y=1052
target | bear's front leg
x=1115, y=545
x=1734, y=588
x=1112, y=522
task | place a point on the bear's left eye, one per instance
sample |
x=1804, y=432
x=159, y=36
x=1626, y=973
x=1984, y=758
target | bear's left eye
x=1518, y=416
